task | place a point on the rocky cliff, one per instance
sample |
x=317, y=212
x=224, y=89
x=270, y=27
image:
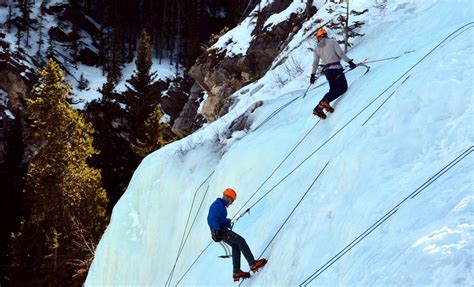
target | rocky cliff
x=16, y=82
x=221, y=75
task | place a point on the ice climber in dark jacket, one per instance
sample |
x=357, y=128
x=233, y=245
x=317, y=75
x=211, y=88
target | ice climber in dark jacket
x=221, y=230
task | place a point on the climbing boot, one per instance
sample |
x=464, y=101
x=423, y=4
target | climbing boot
x=325, y=104
x=240, y=275
x=318, y=111
x=257, y=264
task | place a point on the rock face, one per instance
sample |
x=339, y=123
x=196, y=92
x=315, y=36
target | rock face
x=88, y=57
x=221, y=76
x=244, y=122
x=81, y=25
x=189, y=120
x=174, y=99
x=58, y=35
x=16, y=83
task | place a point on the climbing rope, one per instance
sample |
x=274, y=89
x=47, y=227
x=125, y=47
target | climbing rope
x=388, y=58
x=451, y=36
x=384, y=218
x=291, y=213
x=273, y=172
x=394, y=91
x=274, y=113
x=296, y=206
x=181, y=244
x=194, y=262
x=467, y=26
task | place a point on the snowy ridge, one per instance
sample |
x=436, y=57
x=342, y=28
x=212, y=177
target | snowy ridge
x=395, y=135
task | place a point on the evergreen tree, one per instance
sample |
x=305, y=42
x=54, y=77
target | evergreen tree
x=24, y=6
x=12, y=171
x=143, y=78
x=50, y=51
x=115, y=61
x=83, y=83
x=63, y=195
x=115, y=159
x=19, y=36
x=9, y=16
x=139, y=99
x=154, y=136
x=41, y=20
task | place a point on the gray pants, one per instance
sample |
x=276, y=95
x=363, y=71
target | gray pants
x=238, y=245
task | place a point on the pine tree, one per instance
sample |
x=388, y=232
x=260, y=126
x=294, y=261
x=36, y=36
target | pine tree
x=142, y=79
x=63, y=195
x=12, y=172
x=41, y=20
x=139, y=100
x=154, y=136
x=19, y=36
x=83, y=82
x=24, y=6
x=50, y=53
x=9, y=16
x=116, y=59
x=116, y=159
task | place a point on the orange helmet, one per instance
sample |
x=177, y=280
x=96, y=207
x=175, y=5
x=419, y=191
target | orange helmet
x=230, y=193
x=321, y=32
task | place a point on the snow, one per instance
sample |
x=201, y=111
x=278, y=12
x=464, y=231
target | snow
x=3, y=98
x=201, y=104
x=237, y=41
x=164, y=71
x=295, y=7
x=96, y=79
x=372, y=167
x=165, y=119
x=93, y=74
x=9, y=114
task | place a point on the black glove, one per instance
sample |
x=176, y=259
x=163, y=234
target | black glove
x=216, y=235
x=312, y=79
x=352, y=65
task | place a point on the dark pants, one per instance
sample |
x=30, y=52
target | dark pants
x=337, y=84
x=238, y=245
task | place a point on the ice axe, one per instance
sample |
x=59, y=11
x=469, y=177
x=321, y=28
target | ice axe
x=307, y=89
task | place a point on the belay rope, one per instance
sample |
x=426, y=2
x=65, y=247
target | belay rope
x=275, y=112
x=272, y=173
x=296, y=206
x=384, y=218
x=292, y=211
x=185, y=237
x=465, y=27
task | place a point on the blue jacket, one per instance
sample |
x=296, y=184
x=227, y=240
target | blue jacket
x=217, y=217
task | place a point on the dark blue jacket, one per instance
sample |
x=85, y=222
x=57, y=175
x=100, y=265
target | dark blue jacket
x=217, y=217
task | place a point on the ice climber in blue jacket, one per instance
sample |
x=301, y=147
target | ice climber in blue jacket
x=221, y=230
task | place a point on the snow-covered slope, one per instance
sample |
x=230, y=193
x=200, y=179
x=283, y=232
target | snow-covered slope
x=75, y=70
x=391, y=137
